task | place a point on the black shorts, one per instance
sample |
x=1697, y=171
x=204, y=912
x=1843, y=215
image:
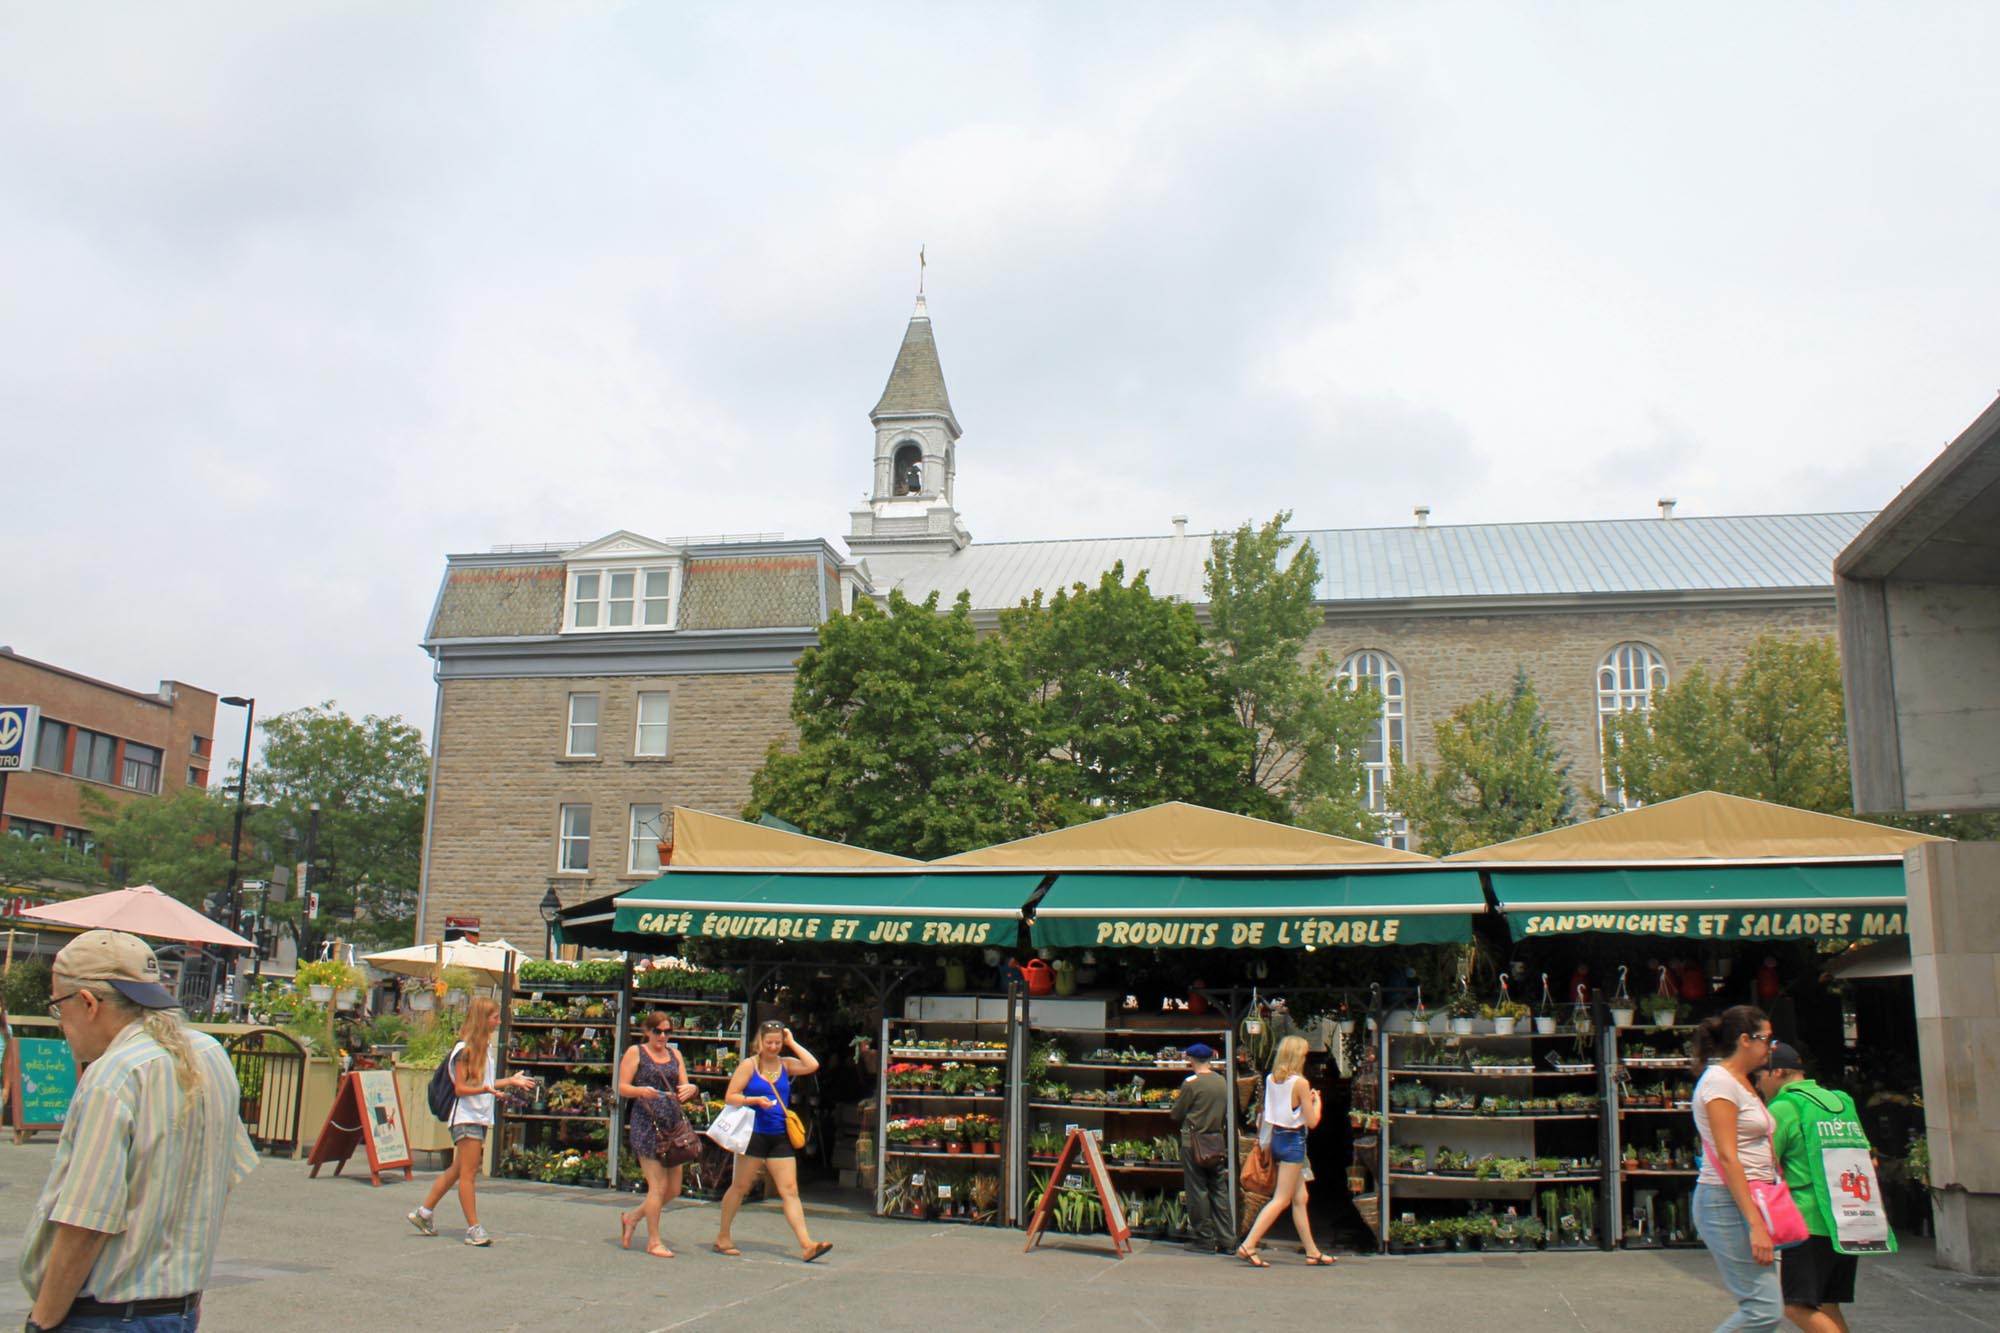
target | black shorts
x=1813, y=1273
x=768, y=1146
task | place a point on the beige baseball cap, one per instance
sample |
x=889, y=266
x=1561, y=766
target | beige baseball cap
x=124, y=962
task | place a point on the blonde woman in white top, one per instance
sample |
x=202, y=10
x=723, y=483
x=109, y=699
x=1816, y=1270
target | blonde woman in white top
x=1291, y=1107
x=1735, y=1129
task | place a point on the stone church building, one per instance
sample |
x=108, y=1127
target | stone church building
x=584, y=691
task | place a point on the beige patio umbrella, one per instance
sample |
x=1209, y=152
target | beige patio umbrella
x=429, y=960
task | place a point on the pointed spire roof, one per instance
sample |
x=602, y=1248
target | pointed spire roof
x=916, y=385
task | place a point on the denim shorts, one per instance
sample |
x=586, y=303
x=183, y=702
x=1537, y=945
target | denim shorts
x=468, y=1132
x=1288, y=1145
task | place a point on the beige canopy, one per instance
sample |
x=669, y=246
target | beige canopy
x=1704, y=826
x=1181, y=836
x=703, y=841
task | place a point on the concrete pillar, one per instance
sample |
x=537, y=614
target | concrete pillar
x=1954, y=924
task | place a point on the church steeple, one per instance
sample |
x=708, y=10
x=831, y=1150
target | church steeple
x=916, y=461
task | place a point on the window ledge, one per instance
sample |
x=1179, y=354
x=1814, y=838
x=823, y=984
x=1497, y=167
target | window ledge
x=650, y=759
x=579, y=759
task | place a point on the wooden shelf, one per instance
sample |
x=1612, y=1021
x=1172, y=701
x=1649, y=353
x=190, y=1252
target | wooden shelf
x=1496, y=1119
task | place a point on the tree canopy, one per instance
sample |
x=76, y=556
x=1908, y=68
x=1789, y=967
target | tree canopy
x=179, y=844
x=1499, y=775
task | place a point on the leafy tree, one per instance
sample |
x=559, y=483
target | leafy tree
x=1310, y=727
x=30, y=862
x=369, y=777
x=912, y=735
x=179, y=844
x=1124, y=709
x=1499, y=776
x=1776, y=730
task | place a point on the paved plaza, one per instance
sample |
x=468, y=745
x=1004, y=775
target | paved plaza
x=335, y=1254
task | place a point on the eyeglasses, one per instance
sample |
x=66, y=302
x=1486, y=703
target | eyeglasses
x=56, y=1002
x=1766, y=1037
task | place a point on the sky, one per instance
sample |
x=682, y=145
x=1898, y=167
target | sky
x=301, y=298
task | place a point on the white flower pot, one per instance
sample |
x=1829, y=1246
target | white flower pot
x=1503, y=1027
x=319, y=994
x=1461, y=1027
x=1545, y=1026
x=1344, y=1026
x=349, y=997
x=1418, y=1023
x=1622, y=1017
x=1665, y=1020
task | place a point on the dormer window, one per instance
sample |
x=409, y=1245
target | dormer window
x=620, y=584
x=909, y=468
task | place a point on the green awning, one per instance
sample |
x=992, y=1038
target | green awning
x=941, y=910
x=1258, y=912
x=1734, y=902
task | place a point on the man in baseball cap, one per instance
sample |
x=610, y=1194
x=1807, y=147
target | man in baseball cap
x=125, y=1232
x=1201, y=1109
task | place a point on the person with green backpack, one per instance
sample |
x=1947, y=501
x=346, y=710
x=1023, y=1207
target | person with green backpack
x=1823, y=1154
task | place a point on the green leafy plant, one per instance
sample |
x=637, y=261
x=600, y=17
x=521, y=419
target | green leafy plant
x=328, y=972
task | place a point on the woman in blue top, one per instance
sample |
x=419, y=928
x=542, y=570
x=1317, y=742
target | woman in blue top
x=764, y=1081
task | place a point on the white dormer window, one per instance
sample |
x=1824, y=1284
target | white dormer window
x=620, y=584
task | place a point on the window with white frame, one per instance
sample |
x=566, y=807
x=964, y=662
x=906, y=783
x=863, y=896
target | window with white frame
x=651, y=739
x=646, y=835
x=582, y=742
x=1385, y=742
x=573, y=849
x=634, y=597
x=1626, y=681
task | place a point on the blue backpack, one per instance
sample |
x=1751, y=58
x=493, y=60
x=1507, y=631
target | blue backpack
x=443, y=1091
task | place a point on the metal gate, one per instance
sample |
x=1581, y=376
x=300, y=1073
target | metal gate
x=271, y=1072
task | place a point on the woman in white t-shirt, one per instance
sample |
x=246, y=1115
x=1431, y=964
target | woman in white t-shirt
x=474, y=1061
x=1735, y=1130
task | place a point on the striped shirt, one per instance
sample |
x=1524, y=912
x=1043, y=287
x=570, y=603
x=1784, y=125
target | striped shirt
x=124, y=1167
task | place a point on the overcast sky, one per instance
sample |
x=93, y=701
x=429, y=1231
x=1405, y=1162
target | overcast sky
x=300, y=298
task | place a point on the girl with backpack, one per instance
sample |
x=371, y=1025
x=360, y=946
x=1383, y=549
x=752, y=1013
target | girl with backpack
x=473, y=1063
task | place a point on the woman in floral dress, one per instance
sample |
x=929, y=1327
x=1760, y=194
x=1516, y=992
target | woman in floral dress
x=652, y=1075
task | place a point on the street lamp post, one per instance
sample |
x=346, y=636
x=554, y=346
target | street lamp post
x=242, y=797
x=551, y=909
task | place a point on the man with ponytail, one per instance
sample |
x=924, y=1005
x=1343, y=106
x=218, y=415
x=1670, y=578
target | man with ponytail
x=125, y=1231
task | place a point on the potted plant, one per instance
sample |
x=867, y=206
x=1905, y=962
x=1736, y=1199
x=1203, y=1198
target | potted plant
x=325, y=978
x=1463, y=1010
x=1661, y=1009
x=1505, y=1016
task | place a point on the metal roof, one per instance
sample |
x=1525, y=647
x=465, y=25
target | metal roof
x=1612, y=557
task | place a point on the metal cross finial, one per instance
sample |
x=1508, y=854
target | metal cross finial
x=920, y=270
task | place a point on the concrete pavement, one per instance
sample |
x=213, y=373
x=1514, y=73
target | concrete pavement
x=335, y=1254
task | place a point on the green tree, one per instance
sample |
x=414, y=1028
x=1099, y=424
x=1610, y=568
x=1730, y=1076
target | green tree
x=179, y=844
x=1776, y=731
x=368, y=776
x=1499, y=775
x=911, y=735
x=34, y=862
x=1124, y=707
x=1309, y=727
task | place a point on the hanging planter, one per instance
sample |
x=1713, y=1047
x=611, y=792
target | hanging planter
x=319, y=994
x=1623, y=1011
x=349, y=997
x=1545, y=1024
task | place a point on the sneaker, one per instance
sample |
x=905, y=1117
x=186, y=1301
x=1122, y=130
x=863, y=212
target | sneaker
x=424, y=1223
x=477, y=1236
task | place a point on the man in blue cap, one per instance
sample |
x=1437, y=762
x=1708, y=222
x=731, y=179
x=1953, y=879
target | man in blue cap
x=1201, y=1109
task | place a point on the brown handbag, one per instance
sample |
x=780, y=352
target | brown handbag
x=1260, y=1171
x=1206, y=1151
x=680, y=1145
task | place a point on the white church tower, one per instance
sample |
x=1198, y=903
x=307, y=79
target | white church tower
x=916, y=462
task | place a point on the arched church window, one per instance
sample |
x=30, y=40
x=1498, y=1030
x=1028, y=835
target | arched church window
x=909, y=468
x=1626, y=680
x=1385, y=742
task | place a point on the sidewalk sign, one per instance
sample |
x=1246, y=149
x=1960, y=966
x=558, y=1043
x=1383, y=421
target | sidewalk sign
x=1083, y=1141
x=367, y=1111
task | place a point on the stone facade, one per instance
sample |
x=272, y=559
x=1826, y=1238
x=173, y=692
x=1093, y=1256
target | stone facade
x=1449, y=660
x=502, y=778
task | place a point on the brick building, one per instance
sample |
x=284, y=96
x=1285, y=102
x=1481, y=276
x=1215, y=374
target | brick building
x=583, y=690
x=95, y=736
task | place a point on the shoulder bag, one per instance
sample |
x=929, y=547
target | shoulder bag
x=1206, y=1151
x=1782, y=1220
x=1260, y=1171
x=795, y=1128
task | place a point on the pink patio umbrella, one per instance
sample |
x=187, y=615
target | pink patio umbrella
x=139, y=910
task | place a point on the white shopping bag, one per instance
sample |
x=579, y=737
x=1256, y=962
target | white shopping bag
x=732, y=1127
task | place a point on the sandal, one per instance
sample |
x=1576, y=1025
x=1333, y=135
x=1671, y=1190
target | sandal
x=659, y=1252
x=817, y=1250
x=729, y=1250
x=1320, y=1261
x=1254, y=1259
x=627, y=1224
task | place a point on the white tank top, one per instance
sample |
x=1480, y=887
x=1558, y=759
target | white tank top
x=1278, y=1108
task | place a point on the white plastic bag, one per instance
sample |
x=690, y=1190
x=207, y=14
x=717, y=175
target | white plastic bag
x=732, y=1127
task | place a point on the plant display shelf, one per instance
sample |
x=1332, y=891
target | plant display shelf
x=561, y=1022
x=517, y=1123
x=906, y=1095
x=1659, y=1171
x=1108, y=1108
x=930, y=1041
x=1505, y=1117
x=957, y=1057
x=1122, y=1067
x=1467, y=1178
x=1515, y=1071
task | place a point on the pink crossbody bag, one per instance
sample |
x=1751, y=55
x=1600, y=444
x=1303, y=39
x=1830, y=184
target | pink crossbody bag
x=1782, y=1219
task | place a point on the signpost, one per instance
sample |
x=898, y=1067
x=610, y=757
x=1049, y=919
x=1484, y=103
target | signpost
x=367, y=1111
x=20, y=725
x=1083, y=1141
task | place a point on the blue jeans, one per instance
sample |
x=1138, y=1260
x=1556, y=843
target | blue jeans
x=145, y=1323
x=1760, y=1301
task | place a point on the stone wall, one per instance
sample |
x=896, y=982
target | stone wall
x=502, y=777
x=1451, y=660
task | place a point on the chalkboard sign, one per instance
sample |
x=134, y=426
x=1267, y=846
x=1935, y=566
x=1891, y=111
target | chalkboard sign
x=1082, y=1143
x=367, y=1113
x=41, y=1079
